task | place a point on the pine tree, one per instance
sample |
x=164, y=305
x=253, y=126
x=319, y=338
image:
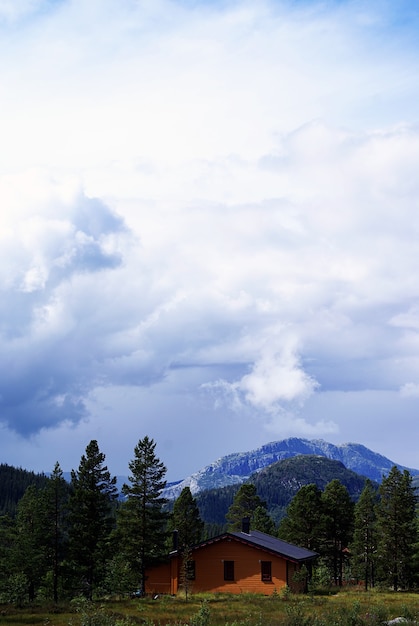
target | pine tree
x=262, y=521
x=7, y=552
x=30, y=547
x=56, y=494
x=302, y=523
x=91, y=517
x=186, y=520
x=142, y=520
x=338, y=518
x=364, y=544
x=397, y=528
x=245, y=503
x=186, y=571
x=188, y=528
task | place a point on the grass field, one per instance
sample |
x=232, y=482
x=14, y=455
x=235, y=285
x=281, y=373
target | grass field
x=353, y=608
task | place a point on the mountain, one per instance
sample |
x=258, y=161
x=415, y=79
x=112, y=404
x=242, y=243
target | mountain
x=278, y=483
x=236, y=468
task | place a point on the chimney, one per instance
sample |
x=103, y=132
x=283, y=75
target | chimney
x=175, y=540
x=246, y=525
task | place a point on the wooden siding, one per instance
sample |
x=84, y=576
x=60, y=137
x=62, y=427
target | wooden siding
x=209, y=571
x=158, y=579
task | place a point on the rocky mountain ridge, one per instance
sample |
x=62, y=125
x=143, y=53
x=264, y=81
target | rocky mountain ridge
x=237, y=467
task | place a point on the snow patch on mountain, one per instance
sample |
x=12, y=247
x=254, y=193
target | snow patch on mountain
x=237, y=468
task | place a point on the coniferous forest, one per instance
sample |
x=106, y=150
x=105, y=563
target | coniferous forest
x=63, y=539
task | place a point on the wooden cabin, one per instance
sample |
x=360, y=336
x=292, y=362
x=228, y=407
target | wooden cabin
x=234, y=562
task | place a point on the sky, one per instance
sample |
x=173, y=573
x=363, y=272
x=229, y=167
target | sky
x=209, y=228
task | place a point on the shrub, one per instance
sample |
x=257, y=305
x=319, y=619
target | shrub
x=202, y=617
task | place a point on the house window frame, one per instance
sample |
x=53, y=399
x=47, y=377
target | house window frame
x=228, y=571
x=266, y=571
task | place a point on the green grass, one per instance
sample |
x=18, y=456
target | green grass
x=346, y=608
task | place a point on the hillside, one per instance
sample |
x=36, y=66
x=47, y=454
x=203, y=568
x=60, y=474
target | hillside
x=13, y=484
x=278, y=483
x=237, y=468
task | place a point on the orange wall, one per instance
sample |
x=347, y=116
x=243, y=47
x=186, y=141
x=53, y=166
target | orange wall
x=158, y=579
x=209, y=571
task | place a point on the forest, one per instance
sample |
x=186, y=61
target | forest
x=64, y=539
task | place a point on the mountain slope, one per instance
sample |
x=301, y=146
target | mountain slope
x=236, y=468
x=278, y=483
x=13, y=483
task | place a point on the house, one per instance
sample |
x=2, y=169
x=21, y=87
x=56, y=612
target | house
x=235, y=562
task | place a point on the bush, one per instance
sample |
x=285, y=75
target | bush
x=90, y=615
x=202, y=617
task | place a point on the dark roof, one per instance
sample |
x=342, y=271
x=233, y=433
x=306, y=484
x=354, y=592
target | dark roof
x=265, y=542
x=275, y=545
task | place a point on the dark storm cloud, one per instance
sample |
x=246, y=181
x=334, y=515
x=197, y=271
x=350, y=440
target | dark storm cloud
x=242, y=257
x=48, y=340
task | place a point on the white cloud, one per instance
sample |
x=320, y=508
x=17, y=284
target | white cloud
x=218, y=197
x=410, y=390
x=275, y=378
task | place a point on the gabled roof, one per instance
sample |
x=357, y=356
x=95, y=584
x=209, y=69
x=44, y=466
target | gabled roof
x=275, y=545
x=265, y=542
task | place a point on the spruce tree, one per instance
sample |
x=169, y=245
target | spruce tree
x=7, y=552
x=188, y=527
x=302, y=523
x=37, y=550
x=262, y=521
x=364, y=544
x=186, y=520
x=244, y=505
x=142, y=519
x=56, y=494
x=397, y=528
x=338, y=519
x=30, y=554
x=91, y=518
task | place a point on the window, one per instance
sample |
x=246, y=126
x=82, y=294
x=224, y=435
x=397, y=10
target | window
x=190, y=570
x=266, y=571
x=228, y=570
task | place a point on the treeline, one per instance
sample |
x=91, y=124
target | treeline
x=13, y=484
x=374, y=540
x=277, y=484
x=80, y=538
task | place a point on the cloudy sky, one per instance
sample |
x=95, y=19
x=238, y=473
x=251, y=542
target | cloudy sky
x=209, y=227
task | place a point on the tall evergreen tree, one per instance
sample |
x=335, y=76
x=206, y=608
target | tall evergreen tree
x=186, y=520
x=56, y=494
x=91, y=517
x=397, y=528
x=142, y=519
x=364, y=544
x=7, y=549
x=245, y=503
x=302, y=523
x=188, y=529
x=30, y=547
x=262, y=521
x=338, y=518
